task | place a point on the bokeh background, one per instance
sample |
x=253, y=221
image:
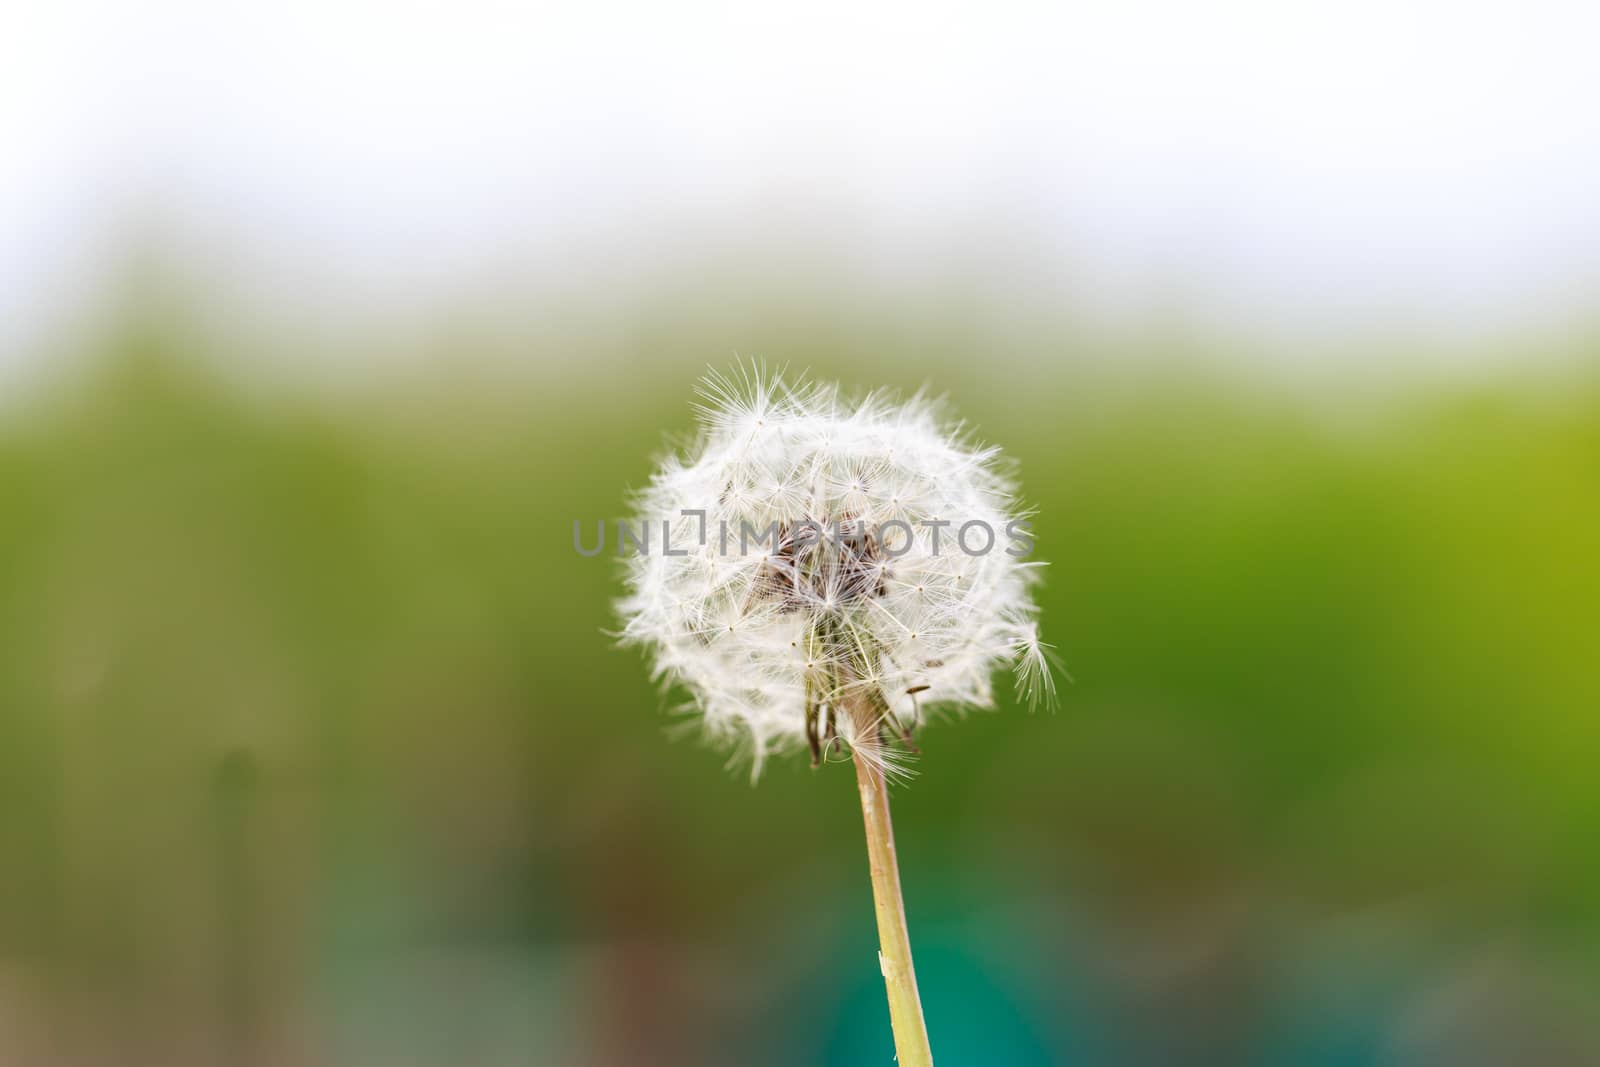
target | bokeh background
x=321, y=324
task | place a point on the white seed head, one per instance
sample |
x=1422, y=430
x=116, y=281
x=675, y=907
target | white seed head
x=819, y=579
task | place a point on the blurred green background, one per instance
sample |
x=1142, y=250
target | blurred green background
x=313, y=748
x=321, y=322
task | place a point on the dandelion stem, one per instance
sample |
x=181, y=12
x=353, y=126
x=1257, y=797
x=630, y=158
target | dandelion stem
x=894, y=955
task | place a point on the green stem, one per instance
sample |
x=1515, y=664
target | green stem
x=894, y=955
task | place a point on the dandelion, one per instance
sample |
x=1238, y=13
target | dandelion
x=836, y=570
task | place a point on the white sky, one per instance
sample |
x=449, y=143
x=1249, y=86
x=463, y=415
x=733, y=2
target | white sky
x=1278, y=162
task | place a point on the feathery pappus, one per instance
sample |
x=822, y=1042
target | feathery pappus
x=822, y=552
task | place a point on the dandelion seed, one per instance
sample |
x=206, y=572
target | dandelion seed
x=798, y=453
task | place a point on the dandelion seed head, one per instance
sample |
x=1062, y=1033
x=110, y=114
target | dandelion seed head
x=811, y=602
